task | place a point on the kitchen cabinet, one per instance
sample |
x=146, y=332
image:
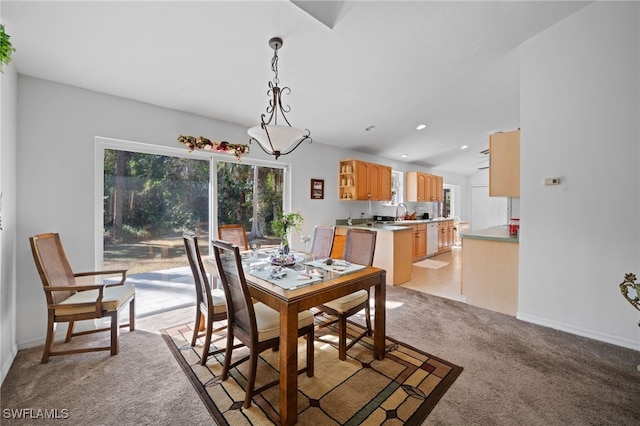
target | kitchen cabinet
x=423, y=187
x=385, y=182
x=419, y=241
x=439, y=190
x=446, y=235
x=360, y=180
x=416, y=187
x=504, y=164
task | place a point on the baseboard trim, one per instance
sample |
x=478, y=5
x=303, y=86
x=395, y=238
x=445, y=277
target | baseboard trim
x=579, y=331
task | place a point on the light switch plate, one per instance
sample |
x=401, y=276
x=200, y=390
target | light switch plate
x=552, y=181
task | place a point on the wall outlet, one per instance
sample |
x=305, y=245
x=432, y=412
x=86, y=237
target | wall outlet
x=552, y=181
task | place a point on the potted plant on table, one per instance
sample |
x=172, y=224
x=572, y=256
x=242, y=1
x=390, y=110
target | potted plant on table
x=282, y=225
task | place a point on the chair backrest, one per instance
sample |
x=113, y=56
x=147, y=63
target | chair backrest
x=322, y=241
x=53, y=265
x=240, y=313
x=203, y=291
x=235, y=234
x=360, y=246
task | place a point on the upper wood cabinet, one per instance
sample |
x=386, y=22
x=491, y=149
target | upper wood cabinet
x=423, y=187
x=504, y=164
x=385, y=183
x=360, y=180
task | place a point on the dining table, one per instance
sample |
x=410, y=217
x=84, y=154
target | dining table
x=297, y=293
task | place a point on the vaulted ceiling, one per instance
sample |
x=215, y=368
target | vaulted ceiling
x=453, y=66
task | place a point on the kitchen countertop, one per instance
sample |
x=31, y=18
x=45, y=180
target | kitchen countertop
x=377, y=227
x=495, y=233
x=399, y=225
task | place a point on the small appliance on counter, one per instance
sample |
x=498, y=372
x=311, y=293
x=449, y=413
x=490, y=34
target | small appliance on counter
x=383, y=219
x=425, y=216
x=514, y=226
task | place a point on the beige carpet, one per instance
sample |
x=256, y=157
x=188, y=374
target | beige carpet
x=431, y=264
x=401, y=389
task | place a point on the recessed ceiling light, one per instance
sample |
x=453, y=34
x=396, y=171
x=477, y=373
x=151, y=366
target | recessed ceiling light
x=464, y=147
x=404, y=156
x=421, y=126
x=368, y=129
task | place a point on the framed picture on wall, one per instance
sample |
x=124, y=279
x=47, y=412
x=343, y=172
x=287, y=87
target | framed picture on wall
x=317, y=189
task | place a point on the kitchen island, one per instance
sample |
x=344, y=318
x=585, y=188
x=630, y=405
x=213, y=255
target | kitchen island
x=490, y=259
x=393, y=249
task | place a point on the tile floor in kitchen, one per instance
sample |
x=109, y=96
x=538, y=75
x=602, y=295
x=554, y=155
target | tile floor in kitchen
x=443, y=282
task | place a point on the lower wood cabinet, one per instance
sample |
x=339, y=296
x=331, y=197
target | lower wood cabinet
x=446, y=235
x=419, y=241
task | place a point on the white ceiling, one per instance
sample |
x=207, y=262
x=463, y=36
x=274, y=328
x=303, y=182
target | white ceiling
x=453, y=66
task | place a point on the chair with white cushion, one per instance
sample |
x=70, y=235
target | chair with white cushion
x=69, y=301
x=211, y=304
x=359, y=248
x=256, y=325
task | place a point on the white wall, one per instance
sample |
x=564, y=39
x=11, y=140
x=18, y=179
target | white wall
x=57, y=126
x=8, y=142
x=580, y=122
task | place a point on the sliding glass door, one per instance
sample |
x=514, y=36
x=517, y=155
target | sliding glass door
x=250, y=195
x=150, y=199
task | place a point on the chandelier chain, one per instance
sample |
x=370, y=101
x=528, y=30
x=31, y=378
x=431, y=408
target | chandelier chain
x=274, y=67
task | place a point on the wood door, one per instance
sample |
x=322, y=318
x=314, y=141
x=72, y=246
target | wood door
x=385, y=183
x=423, y=185
x=362, y=189
x=373, y=181
x=439, y=188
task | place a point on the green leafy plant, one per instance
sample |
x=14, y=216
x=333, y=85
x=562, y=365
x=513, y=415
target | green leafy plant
x=284, y=222
x=6, y=49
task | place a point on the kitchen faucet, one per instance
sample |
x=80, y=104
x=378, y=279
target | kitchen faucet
x=406, y=210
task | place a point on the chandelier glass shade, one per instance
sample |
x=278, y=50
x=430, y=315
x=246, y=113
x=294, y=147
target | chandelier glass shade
x=277, y=139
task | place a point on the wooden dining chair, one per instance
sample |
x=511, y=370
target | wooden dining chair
x=69, y=301
x=235, y=234
x=322, y=241
x=256, y=325
x=211, y=304
x=359, y=248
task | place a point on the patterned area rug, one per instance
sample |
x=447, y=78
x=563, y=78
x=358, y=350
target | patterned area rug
x=401, y=389
x=431, y=264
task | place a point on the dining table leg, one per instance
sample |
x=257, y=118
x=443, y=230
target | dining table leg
x=379, y=327
x=288, y=364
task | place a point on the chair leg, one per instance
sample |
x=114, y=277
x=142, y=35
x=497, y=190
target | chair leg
x=367, y=310
x=342, y=337
x=310, y=352
x=70, y=328
x=132, y=314
x=48, y=344
x=227, y=354
x=251, y=382
x=196, y=326
x=207, y=342
x=115, y=333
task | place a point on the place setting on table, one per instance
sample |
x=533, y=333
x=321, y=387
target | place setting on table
x=292, y=270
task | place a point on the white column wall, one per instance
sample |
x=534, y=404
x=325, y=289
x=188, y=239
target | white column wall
x=580, y=122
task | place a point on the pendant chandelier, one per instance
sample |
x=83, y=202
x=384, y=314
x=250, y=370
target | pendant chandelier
x=277, y=139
